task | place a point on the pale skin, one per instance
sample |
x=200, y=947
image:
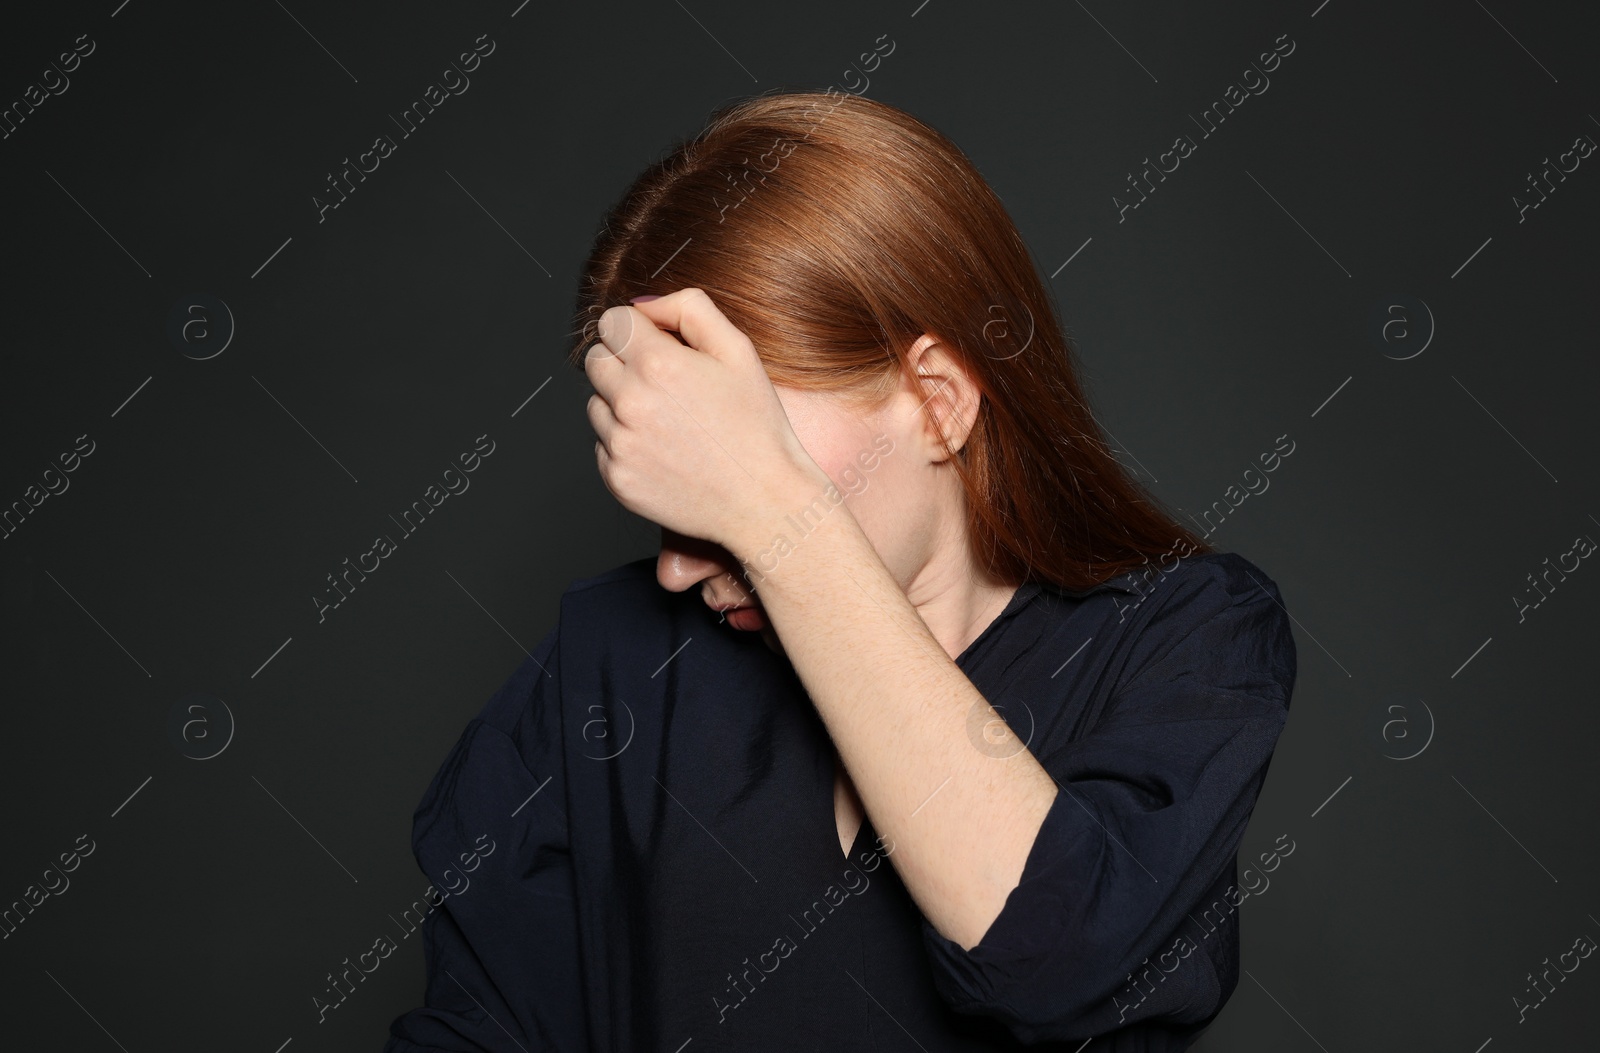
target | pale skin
x=870, y=606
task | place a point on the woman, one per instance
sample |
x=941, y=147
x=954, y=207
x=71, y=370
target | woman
x=984, y=785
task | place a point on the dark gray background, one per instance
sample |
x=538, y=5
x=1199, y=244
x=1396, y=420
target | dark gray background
x=377, y=345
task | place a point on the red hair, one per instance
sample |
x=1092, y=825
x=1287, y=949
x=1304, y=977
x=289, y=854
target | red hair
x=833, y=230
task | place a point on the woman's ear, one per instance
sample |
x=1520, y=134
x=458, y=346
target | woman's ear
x=948, y=399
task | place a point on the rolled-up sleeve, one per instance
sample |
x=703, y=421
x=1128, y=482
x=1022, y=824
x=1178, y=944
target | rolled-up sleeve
x=501, y=946
x=1151, y=807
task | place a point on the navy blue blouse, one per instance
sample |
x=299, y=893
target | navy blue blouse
x=663, y=873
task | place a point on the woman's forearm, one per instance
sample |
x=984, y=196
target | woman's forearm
x=898, y=708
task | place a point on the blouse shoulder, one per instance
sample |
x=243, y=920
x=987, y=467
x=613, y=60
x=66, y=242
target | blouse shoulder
x=524, y=706
x=1216, y=613
x=617, y=581
x=621, y=600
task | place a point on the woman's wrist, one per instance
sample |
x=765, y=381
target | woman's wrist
x=774, y=526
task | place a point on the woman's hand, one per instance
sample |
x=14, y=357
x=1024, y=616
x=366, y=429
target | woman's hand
x=693, y=437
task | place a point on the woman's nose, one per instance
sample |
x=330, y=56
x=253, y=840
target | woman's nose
x=686, y=561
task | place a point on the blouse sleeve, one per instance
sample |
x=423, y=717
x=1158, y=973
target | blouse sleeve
x=1150, y=810
x=500, y=943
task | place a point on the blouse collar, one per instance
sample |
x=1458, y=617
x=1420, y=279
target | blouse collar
x=1028, y=590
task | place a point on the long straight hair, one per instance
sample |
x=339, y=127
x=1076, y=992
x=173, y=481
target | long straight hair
x=833, y=230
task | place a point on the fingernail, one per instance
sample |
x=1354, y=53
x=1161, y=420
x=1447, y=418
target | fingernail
x=641, y=299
